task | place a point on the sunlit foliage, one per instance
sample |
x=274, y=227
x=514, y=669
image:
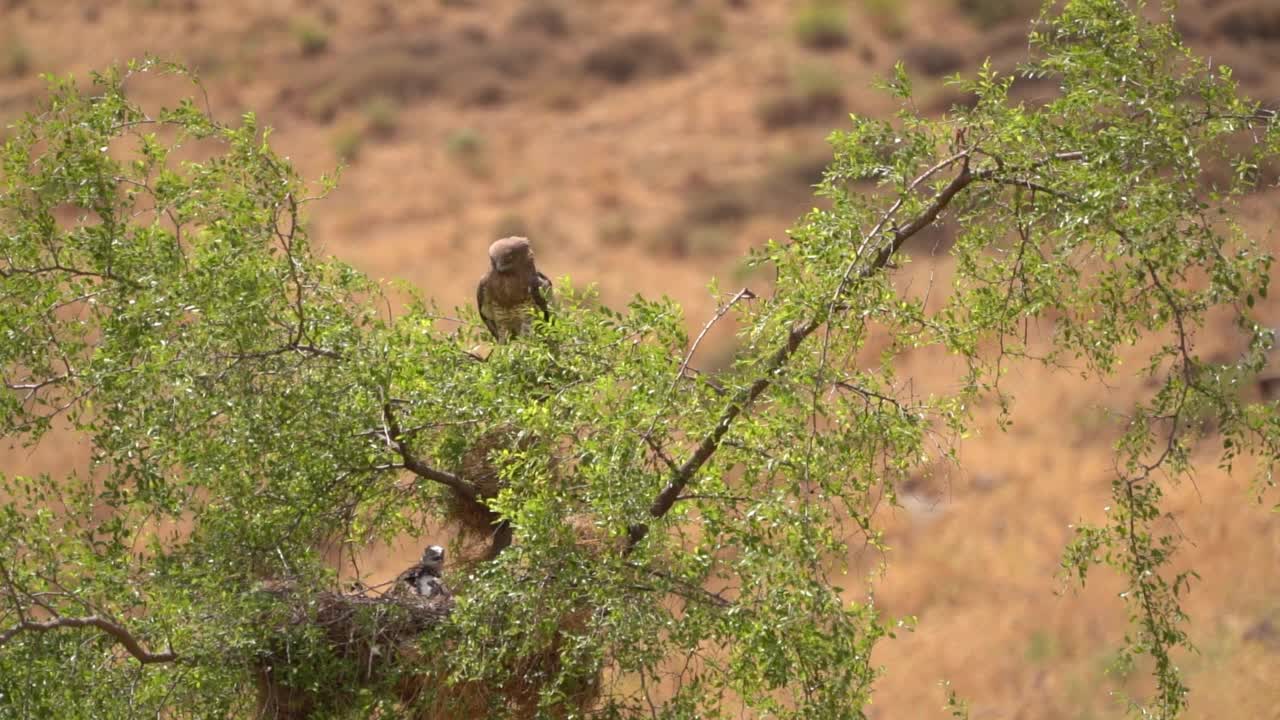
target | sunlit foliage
x=645, y=540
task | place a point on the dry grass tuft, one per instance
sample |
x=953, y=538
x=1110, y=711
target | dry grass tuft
x=1250, y=24
x=15, y=57
x=822, y=25
x=540, y=17
x=634, y=56
x=995, y=12
x=814, y=94
x=933, y=59
x=411, y=69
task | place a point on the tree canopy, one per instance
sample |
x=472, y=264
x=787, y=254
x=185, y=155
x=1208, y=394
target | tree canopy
x=638, y=538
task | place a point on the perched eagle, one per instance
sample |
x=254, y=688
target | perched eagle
x=512, y=286
x=423, y=578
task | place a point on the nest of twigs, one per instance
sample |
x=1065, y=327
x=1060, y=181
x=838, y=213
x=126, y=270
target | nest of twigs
x=379, y=632
x=373, y=631
x=363, y=616
x=477, y=466
x=352, y=620
x=480, y=533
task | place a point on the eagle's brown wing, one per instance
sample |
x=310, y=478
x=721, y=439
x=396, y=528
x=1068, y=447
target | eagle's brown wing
x=540, y=291
x=480, y=305
x=410, y=574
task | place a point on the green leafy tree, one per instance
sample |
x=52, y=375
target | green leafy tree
x=640, y=539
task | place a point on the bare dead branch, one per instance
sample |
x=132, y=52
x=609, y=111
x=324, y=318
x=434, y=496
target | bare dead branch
x=743, y=294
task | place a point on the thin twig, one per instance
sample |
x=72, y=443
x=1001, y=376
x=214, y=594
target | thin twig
x=744, y=293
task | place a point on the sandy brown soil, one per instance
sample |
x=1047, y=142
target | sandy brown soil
x=644, y=147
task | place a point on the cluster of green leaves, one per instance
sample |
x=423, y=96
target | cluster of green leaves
x=669, y=542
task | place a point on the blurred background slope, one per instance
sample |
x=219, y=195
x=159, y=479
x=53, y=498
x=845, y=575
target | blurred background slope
x=644, y=146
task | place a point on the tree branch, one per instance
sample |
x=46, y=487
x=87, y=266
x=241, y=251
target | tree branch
x=73, y=272
x=415, y=464
x=682, y=475
x=117, y=631
x=502, y=530
x=744, y=293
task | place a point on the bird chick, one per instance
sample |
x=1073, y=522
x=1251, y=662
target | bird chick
x=511, y=287
x=424, y=577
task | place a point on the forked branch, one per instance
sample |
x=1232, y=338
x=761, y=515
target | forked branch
x=414, y=464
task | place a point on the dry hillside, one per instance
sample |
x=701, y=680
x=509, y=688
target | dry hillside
x=643, y=146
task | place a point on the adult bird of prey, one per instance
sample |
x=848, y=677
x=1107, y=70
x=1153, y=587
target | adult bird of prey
x=511, y=288
x=423, y=578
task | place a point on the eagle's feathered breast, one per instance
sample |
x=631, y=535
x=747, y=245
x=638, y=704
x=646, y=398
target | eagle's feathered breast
x=513, y=285
x=508, y=301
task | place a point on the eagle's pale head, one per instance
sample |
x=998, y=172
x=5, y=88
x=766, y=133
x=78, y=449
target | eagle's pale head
x=433, y=559
x=511, y=253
